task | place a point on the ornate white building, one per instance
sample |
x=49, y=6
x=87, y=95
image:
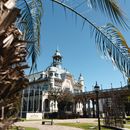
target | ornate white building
x=35, y=97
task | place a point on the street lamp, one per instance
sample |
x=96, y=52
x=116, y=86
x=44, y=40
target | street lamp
x=97, y=88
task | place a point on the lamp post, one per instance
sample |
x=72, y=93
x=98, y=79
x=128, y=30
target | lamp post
x=97, y=88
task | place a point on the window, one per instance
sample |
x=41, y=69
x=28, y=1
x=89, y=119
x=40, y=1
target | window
x=51, y=74
x=67, y=89
x=56, y=74
x=76, y=91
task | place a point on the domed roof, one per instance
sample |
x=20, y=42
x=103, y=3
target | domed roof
x=53, y=69
x=57, y=53
x=43, y=73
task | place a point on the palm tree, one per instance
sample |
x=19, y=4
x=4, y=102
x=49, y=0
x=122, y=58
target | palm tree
x=108, y=7
x=14, y=46
x=20, y=33
x=33, y=9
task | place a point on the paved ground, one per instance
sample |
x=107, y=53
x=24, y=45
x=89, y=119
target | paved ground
x=37, y=124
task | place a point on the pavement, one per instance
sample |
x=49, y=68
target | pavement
x=38, y=124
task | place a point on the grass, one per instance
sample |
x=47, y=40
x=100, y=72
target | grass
x=127, y=127
x=83, y=126
x=128, y=122
x=26, y=128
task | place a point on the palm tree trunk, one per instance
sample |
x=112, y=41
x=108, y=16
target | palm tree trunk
x=12, y=61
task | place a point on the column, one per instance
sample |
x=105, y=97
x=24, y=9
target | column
x=28, y=99
x=39, y=100
x=89, y=112
x=43, y=100
x=33, y=99
x=74, y=107
x=2, y=113
x=84, y=108
x=93, y=103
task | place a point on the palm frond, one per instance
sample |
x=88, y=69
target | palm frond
x=29, y=23
x=113, y=45
x=109, y=41
x=111, y=9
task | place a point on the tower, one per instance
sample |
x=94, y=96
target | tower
x=81, y=81
x=51, y=76
x=57, y=59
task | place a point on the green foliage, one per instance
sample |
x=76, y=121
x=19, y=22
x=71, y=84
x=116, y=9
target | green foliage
x=29, y=23
x=31, y=12
x=108, y=38
x=64, y=99
x=108, y=7
x=113, y=45
x=111, y=9
x=29, y=128
x=26, y=128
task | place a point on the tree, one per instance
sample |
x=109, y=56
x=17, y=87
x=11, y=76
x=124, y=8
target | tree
x=31, y=12
x=14, y=46
x=114, y=110
x=63, y=98
x=33, y=9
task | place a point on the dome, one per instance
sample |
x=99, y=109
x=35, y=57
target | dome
x=43, y=73
x=52, y=69
x=57, y=53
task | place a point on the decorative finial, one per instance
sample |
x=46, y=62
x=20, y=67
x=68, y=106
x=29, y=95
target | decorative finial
x=57, y=48
x=121, y=84
x=96, y=83
x=111, y=85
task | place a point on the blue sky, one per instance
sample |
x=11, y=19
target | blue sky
x=77, y=46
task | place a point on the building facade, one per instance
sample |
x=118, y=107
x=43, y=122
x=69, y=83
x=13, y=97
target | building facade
x=35, y=97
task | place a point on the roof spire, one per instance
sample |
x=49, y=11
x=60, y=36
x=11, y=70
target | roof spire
x=57, y=47
x=81, y=77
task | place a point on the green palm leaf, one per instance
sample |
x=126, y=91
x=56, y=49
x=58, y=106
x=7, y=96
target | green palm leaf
x=111, y=9
x=29, y=23
x=108, y=7
x=114, y=46
x=109, y=41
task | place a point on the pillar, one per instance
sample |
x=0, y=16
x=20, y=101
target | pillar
x=93, y=104
x=84, y=108
x=2, y=114
x=28, y=99
x=89, y=112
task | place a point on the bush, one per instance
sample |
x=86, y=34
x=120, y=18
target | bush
x=61, y=115
x=53, y=115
